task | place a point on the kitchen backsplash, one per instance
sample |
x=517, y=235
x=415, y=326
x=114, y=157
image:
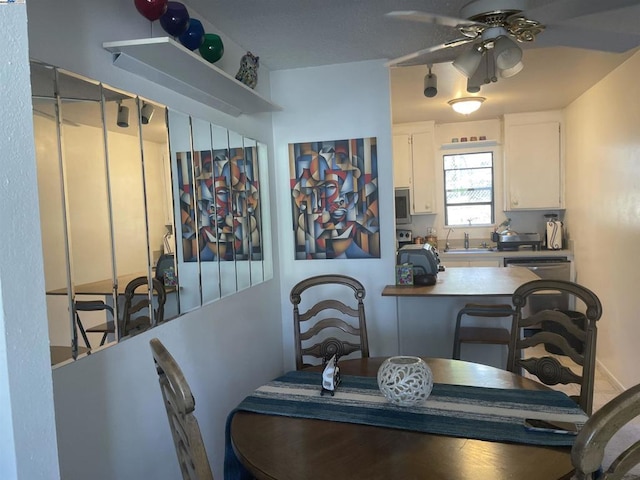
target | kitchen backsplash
x=521, y=222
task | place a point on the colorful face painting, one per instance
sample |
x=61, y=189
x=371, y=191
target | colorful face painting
x=187, y=207
x=334, y=188
x=226, y=205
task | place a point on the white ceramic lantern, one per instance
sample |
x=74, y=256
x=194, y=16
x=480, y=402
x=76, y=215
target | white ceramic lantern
x=405, y=381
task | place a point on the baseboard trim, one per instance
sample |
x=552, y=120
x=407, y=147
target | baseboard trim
x=612, y=379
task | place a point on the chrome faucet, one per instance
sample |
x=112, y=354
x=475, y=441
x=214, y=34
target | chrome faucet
x=466, y=240
x=446, y=242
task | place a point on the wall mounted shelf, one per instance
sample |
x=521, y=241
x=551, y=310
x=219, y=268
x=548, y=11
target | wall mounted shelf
x=166, y=62
x=476, y=144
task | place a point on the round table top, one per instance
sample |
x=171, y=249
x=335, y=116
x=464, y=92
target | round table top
x=285, y=448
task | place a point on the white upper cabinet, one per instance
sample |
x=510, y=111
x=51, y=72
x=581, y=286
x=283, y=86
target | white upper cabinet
x=402, y=160
x=413, y=164
x=533, y=162
x=424, y=185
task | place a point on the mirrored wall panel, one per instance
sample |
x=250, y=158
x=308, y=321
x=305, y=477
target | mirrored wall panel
x=146, y=213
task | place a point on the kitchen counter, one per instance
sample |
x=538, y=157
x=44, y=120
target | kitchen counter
x=426, y=316
x=470, y=281
x=485, y=254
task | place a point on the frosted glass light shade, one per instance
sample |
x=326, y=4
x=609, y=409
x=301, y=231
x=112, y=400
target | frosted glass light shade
x=510, y=72
x=467, y=105
x=506, y=52
x=468, y=62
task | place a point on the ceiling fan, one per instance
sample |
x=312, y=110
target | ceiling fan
x=496, y=28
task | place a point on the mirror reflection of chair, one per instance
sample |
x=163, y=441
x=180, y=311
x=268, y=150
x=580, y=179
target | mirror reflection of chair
x=320, y=319
x=95, y=306
x=575, y=344
x=587, y=453
x=136, y=299
x=180, y=405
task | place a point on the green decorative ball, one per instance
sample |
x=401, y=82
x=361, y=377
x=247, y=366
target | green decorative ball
x=212, y=48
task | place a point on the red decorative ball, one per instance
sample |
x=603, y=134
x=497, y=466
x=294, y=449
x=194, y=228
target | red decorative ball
x=151, y=9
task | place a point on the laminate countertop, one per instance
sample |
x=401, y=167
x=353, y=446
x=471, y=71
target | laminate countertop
x=468, y=281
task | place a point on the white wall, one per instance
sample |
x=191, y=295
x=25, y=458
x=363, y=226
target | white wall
x=330, y=103
x=603, y=209
x=110, y=419
x=27, y=428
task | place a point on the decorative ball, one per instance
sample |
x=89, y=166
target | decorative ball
x=151, y=9
x=194, y=36
x=212, y=48
x=405, y=381
x=175, y=20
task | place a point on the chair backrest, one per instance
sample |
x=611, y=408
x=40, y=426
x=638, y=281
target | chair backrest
x=559, y=332
x=321, y=320
x=180, y=404
x=136, y=298
x=589, y=447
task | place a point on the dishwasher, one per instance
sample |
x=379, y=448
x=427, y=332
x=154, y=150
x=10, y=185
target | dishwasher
x=547, y=268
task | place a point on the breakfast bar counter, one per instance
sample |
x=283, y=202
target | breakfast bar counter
x=426, y=315
x=466, y=281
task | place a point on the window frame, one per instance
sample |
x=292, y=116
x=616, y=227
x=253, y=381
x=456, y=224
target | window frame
x=492, y=203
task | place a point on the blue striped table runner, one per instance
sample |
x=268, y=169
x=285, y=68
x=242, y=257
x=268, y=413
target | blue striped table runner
x=454, y=410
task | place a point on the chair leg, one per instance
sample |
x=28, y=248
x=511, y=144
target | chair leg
x=82, y=332
x=456, y=338
x=104, y=339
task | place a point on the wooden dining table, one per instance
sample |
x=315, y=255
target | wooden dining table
x=285, y=448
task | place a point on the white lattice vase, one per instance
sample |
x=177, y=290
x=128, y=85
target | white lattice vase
x=405, y=381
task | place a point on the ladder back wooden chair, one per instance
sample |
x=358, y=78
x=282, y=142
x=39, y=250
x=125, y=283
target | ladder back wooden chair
x=581, y=350
x=314, y=328
x=587, y=453
x=180, y=405
x=136, y=299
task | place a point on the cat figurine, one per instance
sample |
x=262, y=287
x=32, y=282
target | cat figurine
x=248, y=73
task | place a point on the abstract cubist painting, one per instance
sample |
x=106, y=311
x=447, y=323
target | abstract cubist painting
x=334, y=190
x=221, y=221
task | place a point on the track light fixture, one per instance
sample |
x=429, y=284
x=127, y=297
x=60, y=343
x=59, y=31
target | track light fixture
x=430, y=84
x=146, y=112
x=123, y=115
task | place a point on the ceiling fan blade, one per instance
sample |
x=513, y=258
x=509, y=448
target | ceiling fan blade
x=433, y=18
x=396, y=62
x=578, y=37
x=562, y=10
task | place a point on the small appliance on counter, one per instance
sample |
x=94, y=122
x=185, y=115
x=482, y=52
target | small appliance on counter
x=553, y=232
x=513, y=241
x=404, y=237
x=425, y=261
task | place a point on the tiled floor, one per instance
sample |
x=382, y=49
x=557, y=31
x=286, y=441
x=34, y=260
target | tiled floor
x=604, y=391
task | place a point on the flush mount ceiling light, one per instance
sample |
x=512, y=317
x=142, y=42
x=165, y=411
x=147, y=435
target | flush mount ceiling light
x=466, y=105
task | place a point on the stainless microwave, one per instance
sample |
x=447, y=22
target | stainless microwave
x=403, y=206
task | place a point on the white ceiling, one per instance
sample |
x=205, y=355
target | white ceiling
x=304, y=33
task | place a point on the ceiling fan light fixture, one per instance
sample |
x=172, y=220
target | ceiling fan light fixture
x=506, y=53
x=472, y=87
x=467, y=63
x=466, y=105
x=510, y=72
